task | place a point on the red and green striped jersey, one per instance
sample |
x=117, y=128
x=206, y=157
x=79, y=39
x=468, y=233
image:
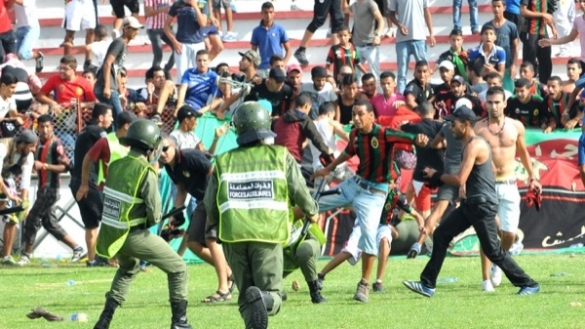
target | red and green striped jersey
x=374, y=151
x=535, y=26
x=394, y=201
x=339, y=56
x=50, y=152
x=533, y=113
x=558, y=107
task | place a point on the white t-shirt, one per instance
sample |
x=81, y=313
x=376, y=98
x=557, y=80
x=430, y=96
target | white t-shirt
x=185, y=139
x=99, y=49
x=6, y=105
x=26, y=14
x=27, y=166
x=324, y=128
x=327, y=94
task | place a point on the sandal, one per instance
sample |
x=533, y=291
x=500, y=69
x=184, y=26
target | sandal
x=221, y=297
x=232, y=282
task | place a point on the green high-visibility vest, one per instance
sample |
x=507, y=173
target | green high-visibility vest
x=117, y=151
x=252, y=195
x=120, y=196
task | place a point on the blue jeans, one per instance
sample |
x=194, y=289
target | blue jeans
x=68, y=141
x=417, y=48
x=473, y=14
x=371, y=55
x=367, y=206
x=26, y=39
x=114, y=100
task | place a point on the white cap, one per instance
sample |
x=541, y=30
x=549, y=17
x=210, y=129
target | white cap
x=132, y=22
x=448, y=65
x=463, y=102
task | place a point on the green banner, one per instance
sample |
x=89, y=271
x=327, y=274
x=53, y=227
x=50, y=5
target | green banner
x=536, y=136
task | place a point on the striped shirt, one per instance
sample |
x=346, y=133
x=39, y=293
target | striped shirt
x=157, y=21
x=535, y=26
x=374, y=151
x=339, y=56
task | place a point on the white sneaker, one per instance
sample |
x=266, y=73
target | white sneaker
x=78, y=254
x=229, y=37
x=24, y=260
x=294, y=6
x=496, y=275
x=517, y=247
x=487, y=286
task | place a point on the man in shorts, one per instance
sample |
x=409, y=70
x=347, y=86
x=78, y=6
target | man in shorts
x=120, y=13
x=395, y=203
x=506, y=138
x=79, y=14
x=189, y=170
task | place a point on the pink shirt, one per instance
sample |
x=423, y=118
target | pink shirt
x=383, y=106
x=579, y=26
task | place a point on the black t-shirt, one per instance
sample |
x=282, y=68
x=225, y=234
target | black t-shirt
x=421, y=94
x=426, y=156
x=191, y=169
x=345, y=111
x=85, y=141
x=448, y=56
x=18, y=72
x=534, y=113
x=450, y=100
x=119, y=50
x=280, y=100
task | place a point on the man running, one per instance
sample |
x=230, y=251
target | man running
x=505, y=136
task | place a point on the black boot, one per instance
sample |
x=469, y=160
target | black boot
x=315, y=291
x=179, y=319
x=256, y=313
x=107, y=314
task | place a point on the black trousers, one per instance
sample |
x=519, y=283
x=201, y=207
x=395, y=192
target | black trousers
x=323, y=8
x=539, y=57
x=482, y=216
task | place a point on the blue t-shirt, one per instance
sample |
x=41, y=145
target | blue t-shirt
x=187, y=25
x=513, y=6
x=200, y=87
x=506, y=34
x=495, y=58
x=269, y=42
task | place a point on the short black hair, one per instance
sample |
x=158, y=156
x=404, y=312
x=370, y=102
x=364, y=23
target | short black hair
x=303, y=98
x=527, y=65
x=150, y=73
x=477, y=66
x=387, y=74
x=556, y=78
x=364, y=102
x=267, y=5
x=488, y=27
x=574, y=60
x=425, y=108
x=348, y=80
x=45, y=118
x=421, y=64
x=275, y=58
x=493, y=75
x=522, y=83
x=100, y=109
x=497, y=90
x=456, y=32
x=368, y=76
x=8, y=79
x=326, y=107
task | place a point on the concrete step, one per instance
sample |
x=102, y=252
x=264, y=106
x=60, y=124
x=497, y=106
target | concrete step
x=246, y=9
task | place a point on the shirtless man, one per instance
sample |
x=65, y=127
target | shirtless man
x=505, y=137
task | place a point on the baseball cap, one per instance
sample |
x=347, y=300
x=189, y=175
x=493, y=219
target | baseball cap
x=132, y=22
x=277, y=74
x=252, y=56
x=462, y=113
x=447, y=65
x=319, y=72
x=294, y=67
x=187, y=111
x=459, y=79
x=124, y=118
x=26, y=136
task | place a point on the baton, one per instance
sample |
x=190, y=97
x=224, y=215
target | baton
x=168, y=215
x=12, y=210
x=317, y=195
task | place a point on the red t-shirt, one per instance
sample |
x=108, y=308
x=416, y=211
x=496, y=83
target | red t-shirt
x=5, y=23
x=65, y=91
x=100, y=151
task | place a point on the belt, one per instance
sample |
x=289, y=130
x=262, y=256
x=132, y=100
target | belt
x=509, y=181
x=364, y=185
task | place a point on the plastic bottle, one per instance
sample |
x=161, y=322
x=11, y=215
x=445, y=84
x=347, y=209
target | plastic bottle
x=576, y=245
x=70, y=283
